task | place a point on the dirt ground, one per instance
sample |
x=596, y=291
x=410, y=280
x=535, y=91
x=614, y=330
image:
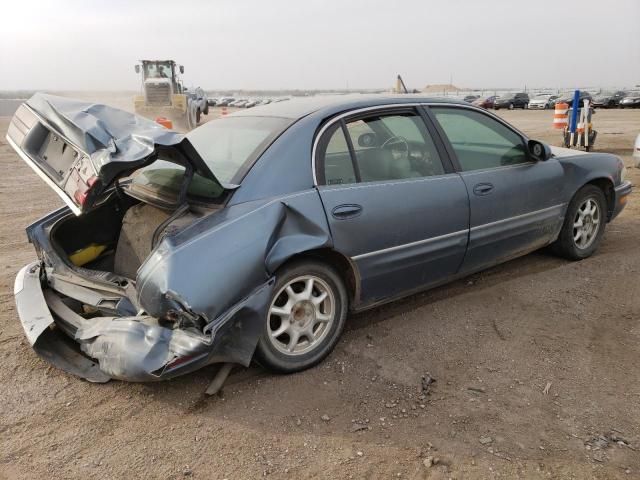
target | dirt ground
x=493, y=342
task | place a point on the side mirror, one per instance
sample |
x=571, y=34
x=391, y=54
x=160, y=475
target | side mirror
x=539, y=151
x=181, y=68
x=137, y=67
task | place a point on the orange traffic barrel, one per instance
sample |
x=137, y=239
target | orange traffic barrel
x=165, y=122
x=224, y=110
x=561, y=116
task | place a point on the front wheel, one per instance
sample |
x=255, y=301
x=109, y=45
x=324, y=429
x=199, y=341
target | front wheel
x=511, y=106
x=306, y=315
x=583, y=225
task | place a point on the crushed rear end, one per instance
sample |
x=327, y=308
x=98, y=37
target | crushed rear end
x=79, y=303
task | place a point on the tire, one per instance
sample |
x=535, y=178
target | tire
x=566, y=245
x=280, y=352
x=511, y=106
x=198, y=116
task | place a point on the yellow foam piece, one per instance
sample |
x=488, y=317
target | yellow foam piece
x=86, y=254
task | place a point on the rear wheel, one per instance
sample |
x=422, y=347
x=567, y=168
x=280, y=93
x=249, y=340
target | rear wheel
x=306, y=316
x=584, y=224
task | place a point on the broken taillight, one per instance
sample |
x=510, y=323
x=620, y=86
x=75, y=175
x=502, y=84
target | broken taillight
x=82, y=192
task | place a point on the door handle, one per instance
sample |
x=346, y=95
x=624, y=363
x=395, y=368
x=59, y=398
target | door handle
x=483, y=189
x=342, y=212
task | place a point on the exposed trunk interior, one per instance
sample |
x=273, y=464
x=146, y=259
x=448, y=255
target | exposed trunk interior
x=118, y=235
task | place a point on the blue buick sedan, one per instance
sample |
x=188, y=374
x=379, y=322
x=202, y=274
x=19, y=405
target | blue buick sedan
x=253, y=236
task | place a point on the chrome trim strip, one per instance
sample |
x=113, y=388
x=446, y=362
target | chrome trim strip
x=340, y=116
x=623, y=186
x=61, y=193
x=524, y=215
x=382, y=183
x=452, y=234
x=469, y=173
x=407, y=245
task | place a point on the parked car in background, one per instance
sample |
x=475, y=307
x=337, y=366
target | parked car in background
x=251, y=103
x=485, y=102
x=225, y=101
x=542, y=101
x=630, y=100
x=608, y=99
x=239, y=103
x=254, y=235
x=511, y=101
x=211, y=101
x=471, y=98
x=567, y=98
x=636, y=152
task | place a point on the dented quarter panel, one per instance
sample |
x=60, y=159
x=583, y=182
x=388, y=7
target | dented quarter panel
x=247, y=242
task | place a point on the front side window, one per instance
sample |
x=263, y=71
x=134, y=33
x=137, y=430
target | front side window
x=384, y=146
x=480, y=141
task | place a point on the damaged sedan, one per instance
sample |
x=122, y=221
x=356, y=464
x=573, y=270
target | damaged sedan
x=253, y=236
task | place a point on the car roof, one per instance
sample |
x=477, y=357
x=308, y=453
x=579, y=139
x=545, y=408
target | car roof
x=329, y=104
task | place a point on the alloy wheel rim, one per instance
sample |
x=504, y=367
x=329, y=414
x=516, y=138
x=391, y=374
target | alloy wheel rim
x=301, y=315
x=586, y=223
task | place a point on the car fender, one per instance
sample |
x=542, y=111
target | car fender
x=218, y=261
x=581, y=168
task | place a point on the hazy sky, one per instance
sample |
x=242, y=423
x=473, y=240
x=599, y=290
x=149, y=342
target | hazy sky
x=285, y=44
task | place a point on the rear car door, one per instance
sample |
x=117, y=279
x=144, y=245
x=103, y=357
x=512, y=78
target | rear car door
x=515, y=201
x=394, y=204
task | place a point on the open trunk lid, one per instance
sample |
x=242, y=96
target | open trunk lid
x=79, y=148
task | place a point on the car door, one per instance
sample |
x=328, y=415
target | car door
x=515, y=201
x=394, y=205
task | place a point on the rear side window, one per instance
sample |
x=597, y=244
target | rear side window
x=480, y=141
x=384, y=147
x=333, y=148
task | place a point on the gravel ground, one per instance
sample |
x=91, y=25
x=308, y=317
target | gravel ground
x=535, y=361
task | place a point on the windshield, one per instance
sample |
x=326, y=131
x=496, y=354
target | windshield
x=157, y=70
x=542, y=97
x=230, y=145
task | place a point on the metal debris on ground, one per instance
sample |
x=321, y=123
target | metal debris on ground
x=427, y=380
x=546, y=389
x=600, y=442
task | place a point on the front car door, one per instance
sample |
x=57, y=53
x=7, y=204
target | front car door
x=515, y=202
x=394, y=204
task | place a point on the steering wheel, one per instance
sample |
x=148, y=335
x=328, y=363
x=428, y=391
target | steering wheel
x=397, y=140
